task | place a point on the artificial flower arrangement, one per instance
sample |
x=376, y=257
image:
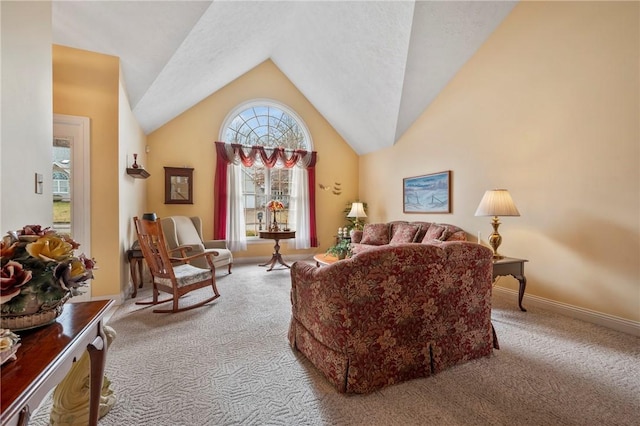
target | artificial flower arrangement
x=39, y=270
x=9, y=344
x=275, y=206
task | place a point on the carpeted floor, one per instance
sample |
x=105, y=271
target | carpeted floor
x=229, y=363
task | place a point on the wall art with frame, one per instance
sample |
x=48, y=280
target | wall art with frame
x=427, y=193
x=178, y=185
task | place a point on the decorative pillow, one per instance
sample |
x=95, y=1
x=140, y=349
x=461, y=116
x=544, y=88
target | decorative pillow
x=433, y=233
x=375, y=234
x=445, y=235
x=404, y=233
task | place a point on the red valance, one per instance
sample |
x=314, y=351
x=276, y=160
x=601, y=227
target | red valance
x=270, y=157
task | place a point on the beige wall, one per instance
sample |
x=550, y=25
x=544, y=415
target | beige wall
x=549, y=109
x=132, y=192
x=27, y=114
x=86, y=84
x=188, y=140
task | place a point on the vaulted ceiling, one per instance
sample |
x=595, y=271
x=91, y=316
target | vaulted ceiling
x=369, y=67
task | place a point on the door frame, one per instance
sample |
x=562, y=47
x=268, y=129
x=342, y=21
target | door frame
x=81, y=183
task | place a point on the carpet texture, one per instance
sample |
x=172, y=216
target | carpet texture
x=229, y=363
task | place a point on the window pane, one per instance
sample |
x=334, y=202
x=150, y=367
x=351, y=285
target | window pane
x=268, y=126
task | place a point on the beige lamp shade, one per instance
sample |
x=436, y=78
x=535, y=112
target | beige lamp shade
x=497, y=202
x=357, y=210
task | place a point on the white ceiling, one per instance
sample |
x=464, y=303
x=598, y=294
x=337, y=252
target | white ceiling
x=369, y=67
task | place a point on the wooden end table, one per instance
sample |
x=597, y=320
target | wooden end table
x=135, y=258
x=276, y=257
x=514, y=267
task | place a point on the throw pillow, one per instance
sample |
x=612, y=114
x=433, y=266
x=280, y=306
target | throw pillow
x=404, y=233
x=445, y=235
x=375, y=234
x=433, y=233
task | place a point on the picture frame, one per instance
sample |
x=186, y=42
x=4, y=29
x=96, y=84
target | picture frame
x=427, y=193
x=178, y=185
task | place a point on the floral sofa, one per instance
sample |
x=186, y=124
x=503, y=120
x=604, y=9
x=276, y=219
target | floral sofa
x=393, y=313
x=400, y=232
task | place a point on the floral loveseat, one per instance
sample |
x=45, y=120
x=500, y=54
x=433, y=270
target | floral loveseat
x=393, y=313
x=400, y=232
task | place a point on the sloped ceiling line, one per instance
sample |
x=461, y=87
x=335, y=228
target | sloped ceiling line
x=369, y=67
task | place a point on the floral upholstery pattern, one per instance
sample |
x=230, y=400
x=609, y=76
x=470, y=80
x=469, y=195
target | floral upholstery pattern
x=186, y=274
x=404, y=233
x=427, y=233
x=433, y=233
x=393, y=313
x=375, y=234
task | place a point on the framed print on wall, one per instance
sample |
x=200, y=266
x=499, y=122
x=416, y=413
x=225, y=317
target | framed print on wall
x=178, y=185
x=427, y=193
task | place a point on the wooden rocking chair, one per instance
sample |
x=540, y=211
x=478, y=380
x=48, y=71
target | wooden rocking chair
x=173, y=275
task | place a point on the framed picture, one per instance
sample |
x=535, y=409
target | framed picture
x=178, y=185
x=427, y=193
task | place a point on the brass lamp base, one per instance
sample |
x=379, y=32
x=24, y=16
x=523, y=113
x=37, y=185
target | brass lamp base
x=495, y=239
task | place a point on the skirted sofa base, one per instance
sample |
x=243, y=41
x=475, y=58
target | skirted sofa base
x=393, y=313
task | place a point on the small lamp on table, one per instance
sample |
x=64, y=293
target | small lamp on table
x=496, y=202
x=357, y=211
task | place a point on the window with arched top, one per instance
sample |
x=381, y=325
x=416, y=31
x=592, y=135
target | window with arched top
x=267, y=124
x=253, y=183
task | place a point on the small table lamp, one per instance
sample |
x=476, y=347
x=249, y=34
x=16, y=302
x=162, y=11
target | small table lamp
x=496, y=202
x=357, y=211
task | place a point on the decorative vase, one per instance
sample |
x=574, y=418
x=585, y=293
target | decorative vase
x=135, y=159
x=46, y=314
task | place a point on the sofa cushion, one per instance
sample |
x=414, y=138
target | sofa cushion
x=375, y=234
x=433, y=233
x=404, y=233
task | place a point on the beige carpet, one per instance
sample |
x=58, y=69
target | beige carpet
x=230, y=364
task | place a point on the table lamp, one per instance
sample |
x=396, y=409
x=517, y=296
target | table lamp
x=496, y=202
x=357, y=211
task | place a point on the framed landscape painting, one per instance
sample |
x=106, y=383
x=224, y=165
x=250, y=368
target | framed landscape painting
x=427, y=193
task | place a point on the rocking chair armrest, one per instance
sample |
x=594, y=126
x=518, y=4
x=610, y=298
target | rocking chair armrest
x=182, y=249
x=187, y=259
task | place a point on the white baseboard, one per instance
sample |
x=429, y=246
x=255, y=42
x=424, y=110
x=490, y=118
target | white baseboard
x=594, y=317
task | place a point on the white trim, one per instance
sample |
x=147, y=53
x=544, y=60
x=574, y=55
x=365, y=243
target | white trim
x=80, y=188
x=82, y=156
x=594, y=317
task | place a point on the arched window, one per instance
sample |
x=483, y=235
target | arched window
x=275, y=127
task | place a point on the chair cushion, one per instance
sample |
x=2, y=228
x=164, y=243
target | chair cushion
x=404, y=233
x=186, y=274
x=375, y=234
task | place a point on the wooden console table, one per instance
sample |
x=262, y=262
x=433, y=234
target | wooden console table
x=276, y=236
x=46, y=356
x=514, y=267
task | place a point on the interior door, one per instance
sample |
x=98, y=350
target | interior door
x=71, y=183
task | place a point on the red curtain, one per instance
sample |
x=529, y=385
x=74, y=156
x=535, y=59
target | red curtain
x=247, y=155
x=220, y=195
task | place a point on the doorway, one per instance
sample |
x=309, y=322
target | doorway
x=71, y=184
